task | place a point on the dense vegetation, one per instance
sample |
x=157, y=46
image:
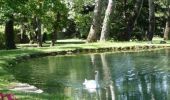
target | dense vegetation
x=35, y=21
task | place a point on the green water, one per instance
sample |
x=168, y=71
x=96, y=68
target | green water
x=122, y=76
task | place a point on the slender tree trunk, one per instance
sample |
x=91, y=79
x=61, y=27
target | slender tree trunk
x=95, y=27
x=167, y=27
x=38, y=32
x=106, y=23
x=23, y=33
x=151, y=20
x=55, y=29
x=53, y=37
x=132, y=20
x=9, y=33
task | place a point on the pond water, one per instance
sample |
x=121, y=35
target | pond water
x=121, y=76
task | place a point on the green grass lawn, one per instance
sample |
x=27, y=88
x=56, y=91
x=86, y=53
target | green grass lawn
x=7, y=58
x=71, y=44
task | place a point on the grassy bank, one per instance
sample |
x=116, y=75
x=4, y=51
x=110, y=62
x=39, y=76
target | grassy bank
x=27, y=51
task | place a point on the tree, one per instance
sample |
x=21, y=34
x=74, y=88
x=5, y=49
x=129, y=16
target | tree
x=59, y=15
x=9, y=33
x=43, y=14
x=55, y=29
x=132, y=20
x=106, y=22
x=10, y=8
x=151, y=20
x=95, y=27
x=167, y=27
x=38, y=32
x=36, y=7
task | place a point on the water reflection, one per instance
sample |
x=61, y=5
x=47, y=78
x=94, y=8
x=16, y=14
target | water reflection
x=107, y=77
x=122, y=76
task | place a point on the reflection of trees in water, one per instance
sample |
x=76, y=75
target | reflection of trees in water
x=106, y=91
x=153, y=86
x=38, y=73
x=88, y=93
x=138, y=76
x=147, y=87
x=110, y=90
x=147, y=83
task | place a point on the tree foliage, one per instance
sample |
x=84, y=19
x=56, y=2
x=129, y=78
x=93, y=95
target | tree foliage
x=73, y=18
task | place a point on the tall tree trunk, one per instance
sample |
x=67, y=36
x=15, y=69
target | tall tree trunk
x=53, y=37
x=132, y=20
x=38, y=32
x=9, y=33
x=95, y=27
x=23, y=33
x=55, y=29
x=37, y=29
x=167, y=27
x=151, y=20
x=106, y=22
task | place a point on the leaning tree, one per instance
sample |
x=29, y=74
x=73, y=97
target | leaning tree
x=95, y=26
x=167, y=27
x=106, y=22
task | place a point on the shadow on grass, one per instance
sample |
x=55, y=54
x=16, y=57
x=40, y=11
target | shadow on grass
x=48, y=44
x=70, y=42
x=15, y=52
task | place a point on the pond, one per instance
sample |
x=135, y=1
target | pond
x=121, y=76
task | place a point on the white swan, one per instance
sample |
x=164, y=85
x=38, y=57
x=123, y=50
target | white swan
x=92, y=85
